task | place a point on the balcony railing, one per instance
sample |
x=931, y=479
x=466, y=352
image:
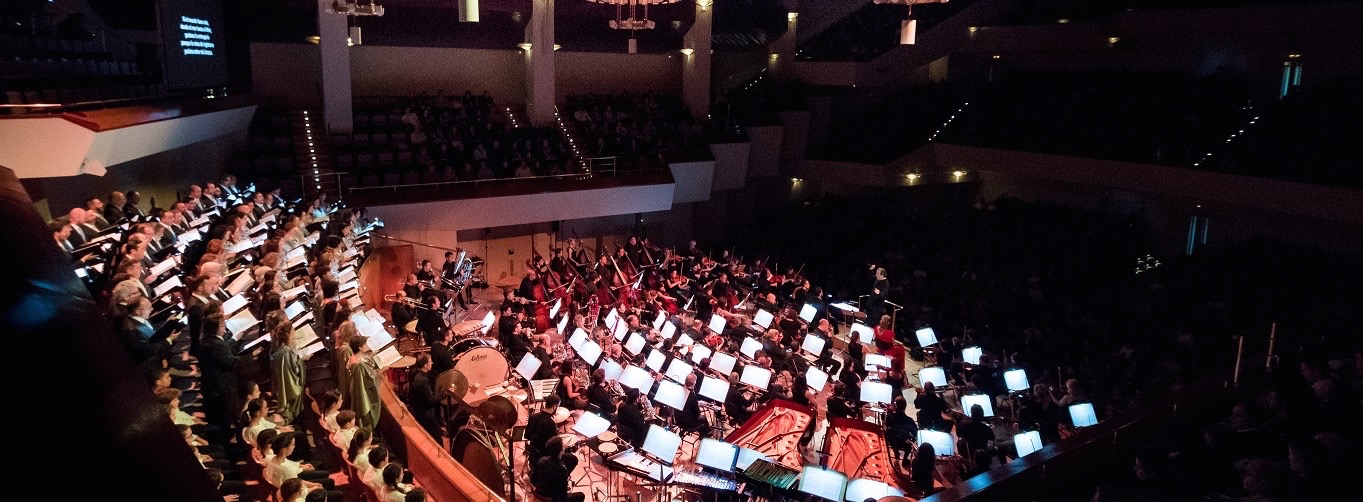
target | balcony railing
x=601, y=172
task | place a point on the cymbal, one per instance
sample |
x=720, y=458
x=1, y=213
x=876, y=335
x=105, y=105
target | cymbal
x=498, y=412
x=453, y=382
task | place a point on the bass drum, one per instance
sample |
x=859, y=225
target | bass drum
x=480, y=362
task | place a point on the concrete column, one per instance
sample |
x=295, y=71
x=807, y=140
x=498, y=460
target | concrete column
x=337, y=106
x=696, y=61
x=540, y=93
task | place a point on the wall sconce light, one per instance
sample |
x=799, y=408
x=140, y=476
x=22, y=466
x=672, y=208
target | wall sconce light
x=688, y=51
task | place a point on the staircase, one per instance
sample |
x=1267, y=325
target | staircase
x=567, y=127
x=312, y=153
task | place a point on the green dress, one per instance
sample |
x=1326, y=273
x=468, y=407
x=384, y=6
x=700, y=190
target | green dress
x=288, y=375
x=364, y=392
x=343, y=354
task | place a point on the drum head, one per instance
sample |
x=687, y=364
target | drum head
x=607, y=436
x=482, y=365
x=608, y=448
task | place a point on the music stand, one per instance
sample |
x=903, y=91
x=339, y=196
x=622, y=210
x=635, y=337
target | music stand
x=1027, y=442
x=823, y=483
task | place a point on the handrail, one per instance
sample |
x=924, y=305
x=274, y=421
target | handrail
x=587, y=175
x=110, y=103
x=395, y=239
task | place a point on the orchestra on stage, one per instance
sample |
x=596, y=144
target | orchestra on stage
x=623, y=356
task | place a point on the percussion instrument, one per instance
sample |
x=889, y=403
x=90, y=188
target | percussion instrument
x=452, y=384
x=466, y=328
x=569, y=440
x=480, y=361
x=608, y=436
x=607, y=449
x=404, y=362
x=410, y=328
x=498, y=412
x=562, y=415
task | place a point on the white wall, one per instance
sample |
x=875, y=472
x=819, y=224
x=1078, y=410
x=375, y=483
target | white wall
x=401, y=71
x=583, y=72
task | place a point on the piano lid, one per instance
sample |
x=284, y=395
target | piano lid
x=775, y=432
x=857, y=448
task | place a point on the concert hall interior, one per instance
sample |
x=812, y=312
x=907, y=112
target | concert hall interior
x=684, y=250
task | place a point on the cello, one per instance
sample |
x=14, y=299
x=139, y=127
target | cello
x=539, y=295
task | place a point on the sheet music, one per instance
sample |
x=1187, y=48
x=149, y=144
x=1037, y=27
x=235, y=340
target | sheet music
x=714, y=388
x=591, y=425
x=378, y=338
x=750, y=347
x=243, y=281
x=815, y=378
x=823, y=483
x=240, y=246
x=387, y=356
x=723, y=362
x=717, y=454
x=678, y=370
x=859, y=490
x=241, y=322
x=167, y=285
x=291, y=293
x=161, y=268
x=253, y=343
x=302, y=320
x=662, y=443
x=346, y=275
x=636, y=378
x=311, y=349
x=669, y=329
x=304, y=336
x=699, y=353
x=528, y=365
x=756, y=376
x=373, y=315
x=813, y=344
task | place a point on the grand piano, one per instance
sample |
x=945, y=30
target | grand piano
x=857, y=448
x=775, y=431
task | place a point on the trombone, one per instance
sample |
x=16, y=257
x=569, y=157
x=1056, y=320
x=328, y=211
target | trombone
x=408, y=301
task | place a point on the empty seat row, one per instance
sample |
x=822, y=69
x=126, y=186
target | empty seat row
x=47, y=45
x=23, y=67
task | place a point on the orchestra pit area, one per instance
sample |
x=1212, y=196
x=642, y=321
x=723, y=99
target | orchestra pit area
x=695, y=251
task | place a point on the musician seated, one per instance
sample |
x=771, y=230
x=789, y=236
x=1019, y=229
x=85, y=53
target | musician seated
x=570, y=393
x=401, y=311
x=540, y=427
x=900, y=429
x=631, y=424
x=737, y=404
x=838, y=405
x=549, y=474
x=599, y=394
x=689, y=418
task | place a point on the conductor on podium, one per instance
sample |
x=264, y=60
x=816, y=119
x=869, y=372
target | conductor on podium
x=875, y=302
